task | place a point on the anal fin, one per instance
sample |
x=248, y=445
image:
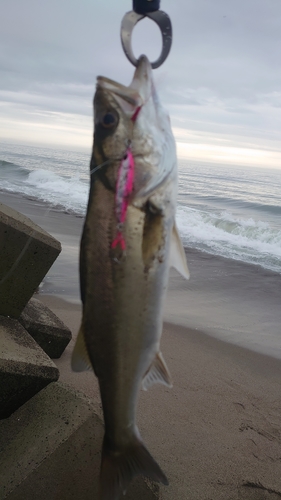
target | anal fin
x=158, y=373
x=80, y=360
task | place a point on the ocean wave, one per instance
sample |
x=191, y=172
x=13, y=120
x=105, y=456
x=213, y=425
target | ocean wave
x=271, y=207
x=4, y=163
x=9, y=170
x=252, y=191
x=216, y=214
x=244, y=239
x=70, y=193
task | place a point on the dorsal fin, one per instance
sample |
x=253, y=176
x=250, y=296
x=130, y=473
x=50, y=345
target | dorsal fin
x=177, y=254
x=80, y=360
x=158, y=373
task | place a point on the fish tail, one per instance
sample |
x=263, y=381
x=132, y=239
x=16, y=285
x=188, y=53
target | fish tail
x=118, y=468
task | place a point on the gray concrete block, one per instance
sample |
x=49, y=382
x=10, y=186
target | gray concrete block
x=26, y=254
x=24, y=367
x=50, y=449
x=45, y=327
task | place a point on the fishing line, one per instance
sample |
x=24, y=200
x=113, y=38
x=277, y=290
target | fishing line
x=101, y=165
x=128, y=142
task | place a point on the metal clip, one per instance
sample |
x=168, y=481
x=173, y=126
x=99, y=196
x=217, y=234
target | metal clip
x=161, y=19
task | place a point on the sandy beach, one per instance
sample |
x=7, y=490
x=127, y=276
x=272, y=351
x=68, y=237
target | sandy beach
x=217, y=433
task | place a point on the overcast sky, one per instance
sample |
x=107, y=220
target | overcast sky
x=220, y=83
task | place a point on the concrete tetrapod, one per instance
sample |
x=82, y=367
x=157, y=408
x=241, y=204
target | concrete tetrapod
x=26, y=254
x=45, y=327
x=24, y=367
x=50, y=449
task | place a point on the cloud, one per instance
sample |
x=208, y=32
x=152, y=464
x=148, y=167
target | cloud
x=226, y=149
x=71, y=131
x=220, y=80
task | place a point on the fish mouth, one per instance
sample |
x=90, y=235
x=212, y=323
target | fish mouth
x=138, y=92
x=117, y=89
x=142, y=80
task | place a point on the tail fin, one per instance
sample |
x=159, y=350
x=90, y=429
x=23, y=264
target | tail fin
x=118, y=468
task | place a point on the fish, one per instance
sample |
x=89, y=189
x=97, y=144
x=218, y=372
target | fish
x=129, y=242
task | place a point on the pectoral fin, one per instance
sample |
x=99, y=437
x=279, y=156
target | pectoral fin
x=80, y=361
x=158, y=373
x=177, y=254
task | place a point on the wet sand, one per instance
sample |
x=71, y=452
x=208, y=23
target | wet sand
x=217, y=433
x=228, y=299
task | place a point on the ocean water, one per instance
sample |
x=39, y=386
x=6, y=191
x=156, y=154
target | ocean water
x=225, y=210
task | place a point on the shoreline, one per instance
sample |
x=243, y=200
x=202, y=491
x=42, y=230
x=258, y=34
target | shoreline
x=216, y=433
x=227, y=299
x=262, y=364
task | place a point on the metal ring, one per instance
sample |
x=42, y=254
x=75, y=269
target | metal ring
x=161, y=19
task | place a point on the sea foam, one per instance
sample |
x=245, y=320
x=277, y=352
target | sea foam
x=70, y=193
x=232, y=237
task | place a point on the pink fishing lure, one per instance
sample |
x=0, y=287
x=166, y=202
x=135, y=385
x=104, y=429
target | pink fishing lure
x=124, y=188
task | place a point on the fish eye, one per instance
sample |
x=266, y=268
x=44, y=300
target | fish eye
x=108, y=120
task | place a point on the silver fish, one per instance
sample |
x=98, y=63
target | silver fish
x=133, y=193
